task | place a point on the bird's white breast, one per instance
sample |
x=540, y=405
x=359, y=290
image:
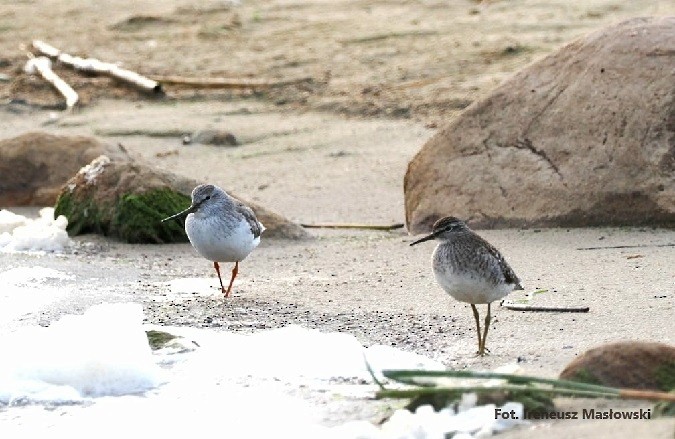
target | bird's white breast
x=219, y=241
x=468, y=286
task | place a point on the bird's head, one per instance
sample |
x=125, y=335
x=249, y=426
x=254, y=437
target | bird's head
x=444, y=228
x=202, y=195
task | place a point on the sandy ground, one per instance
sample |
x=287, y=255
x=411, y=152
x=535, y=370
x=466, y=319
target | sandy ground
x=424, y=59
x=318, y=167
x=396, y=70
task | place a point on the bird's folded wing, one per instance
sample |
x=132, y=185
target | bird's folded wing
x=256, y=227
x=491, y=253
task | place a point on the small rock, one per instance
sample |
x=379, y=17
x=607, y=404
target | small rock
x=635, y=365
x=341, y=153
x=158, y=339
x=169, y=343
x=213, y=137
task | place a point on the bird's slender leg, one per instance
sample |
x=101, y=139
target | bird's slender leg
x=487, y=326
x=477, y=318
x=217, y=267
x=235, y=270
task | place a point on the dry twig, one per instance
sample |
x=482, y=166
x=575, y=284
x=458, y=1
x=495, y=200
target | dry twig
x=626, y=246
x=523, y=307
x=43, y=67
x=353, y=226
x=225, y=82
x=94, y=66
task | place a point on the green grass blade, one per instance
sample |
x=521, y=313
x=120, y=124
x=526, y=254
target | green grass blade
x=408, y=376
x=410, y=393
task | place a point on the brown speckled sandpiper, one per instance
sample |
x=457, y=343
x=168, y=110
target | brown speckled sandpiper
x=470, y=269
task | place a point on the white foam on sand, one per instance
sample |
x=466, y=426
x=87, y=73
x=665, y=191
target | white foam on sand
x=293, y=352
x=232, y=385
x=24, y=289
x=103, y=352
x=195, y=286
x=43, y=234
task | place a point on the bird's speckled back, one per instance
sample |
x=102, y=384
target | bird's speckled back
x=466, y=253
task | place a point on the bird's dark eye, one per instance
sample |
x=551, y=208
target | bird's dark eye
x=208, y=197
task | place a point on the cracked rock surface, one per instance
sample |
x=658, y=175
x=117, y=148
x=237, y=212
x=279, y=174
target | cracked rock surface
x=583, y=137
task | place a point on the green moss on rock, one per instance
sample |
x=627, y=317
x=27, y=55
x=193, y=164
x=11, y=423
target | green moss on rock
x=133, y=218
x=137, y=217
x=665, y=376
x=83, y=216
x=158, y=339
x=665, y=409
x=585, y=376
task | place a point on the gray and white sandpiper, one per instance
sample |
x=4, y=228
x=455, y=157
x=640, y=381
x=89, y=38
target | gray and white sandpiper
x=470, y=269
x=220, y=228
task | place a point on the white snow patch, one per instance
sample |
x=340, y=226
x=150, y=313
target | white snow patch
x=10, y=221
x=293, y=353
x=426, y=423
x=103, y=352
x=43, y=234
x=200, y=286
x=23, y=290
x=31, y=275
x=234, y=385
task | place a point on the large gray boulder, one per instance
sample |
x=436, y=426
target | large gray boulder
x=583, y=137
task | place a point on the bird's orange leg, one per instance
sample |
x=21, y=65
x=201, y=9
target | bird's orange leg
x=217, y=267
x=235, y=270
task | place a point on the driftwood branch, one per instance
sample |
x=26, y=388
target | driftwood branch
x=97, y=67
x=153, y=84
x=225, y=82
x=646, y=395
x=43, y=67
x=523, y=307
x=353, y=226
x=626, y=246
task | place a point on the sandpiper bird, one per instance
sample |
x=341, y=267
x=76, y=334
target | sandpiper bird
x=470, y=269
x=220, y=228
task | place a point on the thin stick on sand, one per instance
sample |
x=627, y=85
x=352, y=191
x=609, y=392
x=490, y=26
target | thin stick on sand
x=626, y=246
x=522, y=307
x=353, y=226
x=225, y=82
x=43, y=67
x=97, y=67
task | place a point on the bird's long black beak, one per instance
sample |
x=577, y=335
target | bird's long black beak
x=426, y=238
x=187, y=211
